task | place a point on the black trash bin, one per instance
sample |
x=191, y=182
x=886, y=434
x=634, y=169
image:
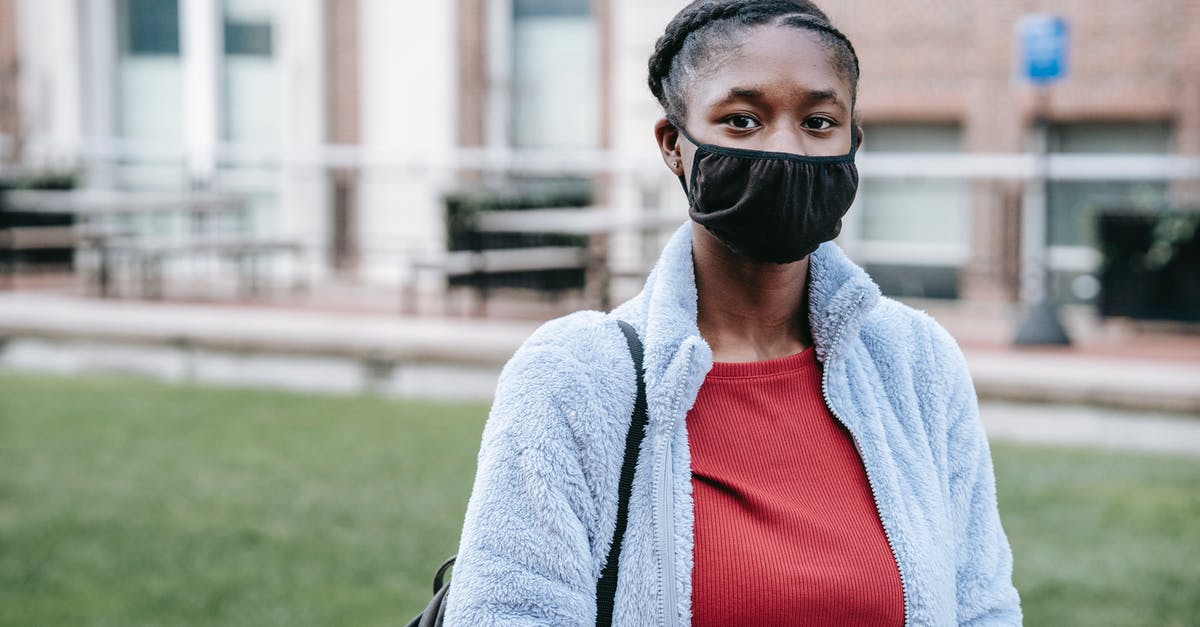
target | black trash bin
x=1151, y=267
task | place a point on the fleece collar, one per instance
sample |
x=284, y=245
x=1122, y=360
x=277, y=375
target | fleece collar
x=840, y=294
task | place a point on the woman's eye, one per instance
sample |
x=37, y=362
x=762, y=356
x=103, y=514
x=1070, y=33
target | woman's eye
x=742, y=122
x=818, y=124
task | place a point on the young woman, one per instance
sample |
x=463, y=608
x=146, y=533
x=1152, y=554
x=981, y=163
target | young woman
x=814, y=454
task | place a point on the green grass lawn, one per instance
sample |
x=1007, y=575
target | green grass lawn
x=126, y=502
x=1102, y=538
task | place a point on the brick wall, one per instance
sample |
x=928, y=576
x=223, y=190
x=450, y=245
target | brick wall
x=472, y=72
x=10, y=123
x=342, y=70
x=343, y=121
x=954, y=60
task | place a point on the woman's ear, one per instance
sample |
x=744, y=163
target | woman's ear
x=667, y=137
x=858, y=134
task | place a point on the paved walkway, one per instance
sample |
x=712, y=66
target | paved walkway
x=1143, y=371
x=1127, y=390
x=1089, y=425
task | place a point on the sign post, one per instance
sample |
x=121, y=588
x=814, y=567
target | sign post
x=1043, y=41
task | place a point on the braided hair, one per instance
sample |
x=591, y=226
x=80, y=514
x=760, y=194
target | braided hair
x=707, y=28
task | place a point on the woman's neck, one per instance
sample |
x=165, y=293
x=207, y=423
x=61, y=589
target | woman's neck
x=749, y=311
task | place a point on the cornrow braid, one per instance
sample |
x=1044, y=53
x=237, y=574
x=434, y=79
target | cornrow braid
x=691, y=19
x=707, y=27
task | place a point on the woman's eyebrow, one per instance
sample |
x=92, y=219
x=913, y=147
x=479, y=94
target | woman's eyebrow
x=823, y=95
x=741, y=93
x=754, y=93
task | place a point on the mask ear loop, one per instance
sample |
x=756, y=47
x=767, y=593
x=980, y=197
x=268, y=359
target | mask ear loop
x=686, y=192
x=683, y=131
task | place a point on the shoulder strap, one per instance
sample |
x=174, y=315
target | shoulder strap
x=606, y=586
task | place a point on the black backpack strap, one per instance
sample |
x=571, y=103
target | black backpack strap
x=606, y=587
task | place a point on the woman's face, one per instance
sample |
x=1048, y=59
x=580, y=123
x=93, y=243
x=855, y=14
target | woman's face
x=776, y=92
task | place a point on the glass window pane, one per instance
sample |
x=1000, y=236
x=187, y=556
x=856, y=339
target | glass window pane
x=544, y=8
x=914, y=210
x=248, y=27
x=248, y=38
x=912, y=137
x=250, y=89
x=150, y=98
x=149, y=74
x=1074, y=205
x=555, y=75
x=150, y=27
x=1111, y=138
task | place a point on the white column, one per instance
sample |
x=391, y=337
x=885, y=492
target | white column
x=100, y=81
x=48, y=35
x=408, y=108
x=498, y=114
x=304, y=189
x=201, y=45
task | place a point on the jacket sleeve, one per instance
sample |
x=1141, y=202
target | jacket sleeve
x=525, y=556
x=983, y=572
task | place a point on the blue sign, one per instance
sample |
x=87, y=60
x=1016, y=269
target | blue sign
x=1043, y=40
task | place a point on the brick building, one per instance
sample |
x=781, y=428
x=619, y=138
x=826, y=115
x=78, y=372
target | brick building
x=349, y=121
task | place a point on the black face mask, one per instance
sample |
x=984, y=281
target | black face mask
x=774, y=207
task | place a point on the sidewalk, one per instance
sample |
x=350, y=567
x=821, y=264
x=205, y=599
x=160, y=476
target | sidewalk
x=1091, y=426
x=348, y=351
x=1110, y=363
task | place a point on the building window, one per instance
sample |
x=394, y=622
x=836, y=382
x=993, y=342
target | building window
x=149, y=94
x=914, y=211
x=250, y=89
x=151, y=27
x=913, y=233
x=1074, y=205
x=248, y=35
x=555, y=95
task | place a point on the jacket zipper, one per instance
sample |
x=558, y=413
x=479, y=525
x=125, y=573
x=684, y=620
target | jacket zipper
x=887, y=534
x=666, y=511
x=666, y=507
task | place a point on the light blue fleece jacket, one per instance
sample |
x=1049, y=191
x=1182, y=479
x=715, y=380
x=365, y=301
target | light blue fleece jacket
x=542, y=512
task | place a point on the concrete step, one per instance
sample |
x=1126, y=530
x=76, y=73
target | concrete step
x=457, y=357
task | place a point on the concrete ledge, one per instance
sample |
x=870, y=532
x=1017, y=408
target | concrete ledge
x=443, y=358
x=329, y=373
x=255, y=330
x=242, y=346
x=1085, y=380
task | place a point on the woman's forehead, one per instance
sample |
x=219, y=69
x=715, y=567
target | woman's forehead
x=772, y=62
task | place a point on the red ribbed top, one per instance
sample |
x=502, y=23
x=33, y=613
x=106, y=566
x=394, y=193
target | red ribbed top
x=786, y=527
